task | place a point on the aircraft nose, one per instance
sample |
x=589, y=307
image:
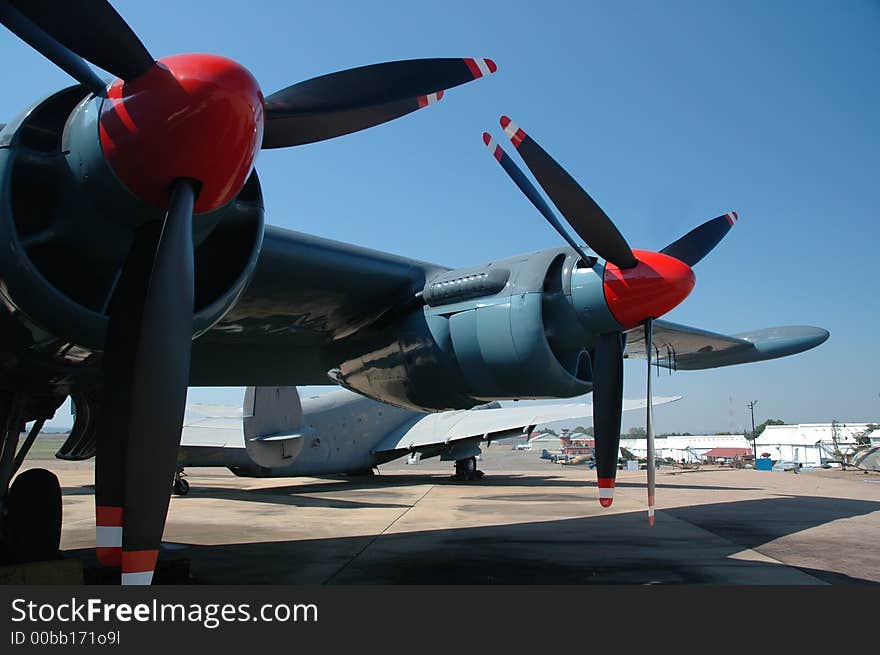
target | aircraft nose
x=656, y=285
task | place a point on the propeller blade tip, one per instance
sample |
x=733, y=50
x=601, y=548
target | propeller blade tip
x=430, y=99
x=138, y=566
x=481, y=67
x=513, y=131
x=650, y=520
x=606, y=491
x=493, y=147
x=732, y=218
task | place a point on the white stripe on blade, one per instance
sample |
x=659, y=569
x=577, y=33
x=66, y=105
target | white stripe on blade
x=606, y=492
x=108, y=537
x=143, y=578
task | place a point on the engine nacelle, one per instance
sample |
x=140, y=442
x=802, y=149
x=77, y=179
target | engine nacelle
x=516, y=328
x=67, y=223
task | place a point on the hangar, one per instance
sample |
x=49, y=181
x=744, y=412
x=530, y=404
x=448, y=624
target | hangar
x=814, y=444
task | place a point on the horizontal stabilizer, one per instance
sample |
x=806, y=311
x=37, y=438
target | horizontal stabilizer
x=284, y=436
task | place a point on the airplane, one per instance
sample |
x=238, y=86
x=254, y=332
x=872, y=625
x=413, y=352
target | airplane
x=277, y=434
x=137, y=263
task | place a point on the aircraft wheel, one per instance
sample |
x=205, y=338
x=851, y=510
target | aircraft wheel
x=32, y=528
x=466, y=469
x=181, y=487
x=363, y=473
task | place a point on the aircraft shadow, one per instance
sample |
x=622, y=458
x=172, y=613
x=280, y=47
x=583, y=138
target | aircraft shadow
x=288, y=495
x=392, y=480
x=691, y=545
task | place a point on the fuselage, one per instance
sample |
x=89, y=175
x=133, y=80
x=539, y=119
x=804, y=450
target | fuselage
x=342, y=429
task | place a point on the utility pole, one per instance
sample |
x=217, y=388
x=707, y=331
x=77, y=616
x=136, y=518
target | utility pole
x=751, y=406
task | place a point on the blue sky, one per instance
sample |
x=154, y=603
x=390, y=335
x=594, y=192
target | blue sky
x=668, y=113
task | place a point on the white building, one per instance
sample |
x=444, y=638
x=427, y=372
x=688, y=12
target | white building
x=687, y=448
x=812, y=444
x=545, y=441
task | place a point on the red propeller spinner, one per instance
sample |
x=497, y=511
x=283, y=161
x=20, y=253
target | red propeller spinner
x=196, y=116
x=657, y=284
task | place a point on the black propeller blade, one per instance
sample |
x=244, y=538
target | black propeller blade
x=42, y=42
x=649, y=422
x=576, y=206
x=607, y=409
x=93, y=30
x=146, y=364
x=352, y=100
x=530, y=191
x=700, y=241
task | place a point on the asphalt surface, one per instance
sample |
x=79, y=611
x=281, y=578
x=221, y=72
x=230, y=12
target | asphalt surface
x=528, y=521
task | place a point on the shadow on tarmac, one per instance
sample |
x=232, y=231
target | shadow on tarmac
x=691, y=545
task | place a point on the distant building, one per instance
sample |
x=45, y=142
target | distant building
x=813, y=444
x=726, y=455
x=688, y=448
x=577, y=443
x=546, y=441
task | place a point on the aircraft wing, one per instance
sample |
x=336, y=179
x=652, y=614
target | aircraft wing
x=445, y=428
x=307, y=292
x=687, y=348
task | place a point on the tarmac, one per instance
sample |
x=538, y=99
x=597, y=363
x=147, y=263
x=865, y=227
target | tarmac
x=528, y=521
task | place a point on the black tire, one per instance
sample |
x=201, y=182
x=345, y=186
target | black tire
x=181, y=487
x=33, y=522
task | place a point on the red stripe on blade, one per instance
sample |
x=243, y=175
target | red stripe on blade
x=109, y=556
x=475, y=70
x=138, y=561
x=110, y=516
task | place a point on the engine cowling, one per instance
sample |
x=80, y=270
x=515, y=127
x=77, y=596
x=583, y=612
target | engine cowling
x=67, y=223
x=516, y=328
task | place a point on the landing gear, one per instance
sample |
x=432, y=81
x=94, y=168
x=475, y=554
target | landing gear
x=466, y=469
x=362, y=473
x=30, y=507
x=32, y=525
x=180, y=487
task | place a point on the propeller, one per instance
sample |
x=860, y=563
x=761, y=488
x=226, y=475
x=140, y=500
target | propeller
x=146, y=368
x=29, y=32
x=638, y=287
x=92, y=29
x=352, y=100
x=607, y=410
x=583, y=214
x=700, y=241
x=530, y=191
x=181, y=135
